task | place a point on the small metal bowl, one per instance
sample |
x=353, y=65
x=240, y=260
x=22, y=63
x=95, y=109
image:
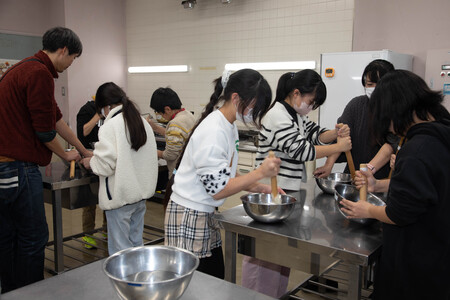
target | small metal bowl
x=151, y=272
x=260, y=207
x=327, y=184
x=350, y=192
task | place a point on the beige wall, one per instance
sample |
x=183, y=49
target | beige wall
x=100, y=24
x=30, y=17
x=406, y=26
x=213, y=34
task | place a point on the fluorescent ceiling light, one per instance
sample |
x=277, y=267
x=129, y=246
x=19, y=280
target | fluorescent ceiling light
x=357, y=78
x=285, y=65
x=158, y=69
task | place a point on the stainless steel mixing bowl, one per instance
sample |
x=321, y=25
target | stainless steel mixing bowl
x=350, y=192
x=327, y=184
x=151, y=272
x=261, y=207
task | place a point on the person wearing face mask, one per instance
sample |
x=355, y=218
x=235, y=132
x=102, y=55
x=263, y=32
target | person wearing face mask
x=288, y=132
x=207, y=171
x=356, y=114
x=167, y=104
x=127, y=165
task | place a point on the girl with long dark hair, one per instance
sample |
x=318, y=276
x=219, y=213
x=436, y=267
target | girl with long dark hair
x=126, y=162
x=207, y=170
x=415, y=257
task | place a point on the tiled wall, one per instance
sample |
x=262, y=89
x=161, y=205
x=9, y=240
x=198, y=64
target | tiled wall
x=162, y=32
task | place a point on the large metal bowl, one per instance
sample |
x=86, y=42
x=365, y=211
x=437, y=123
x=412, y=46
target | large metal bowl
x=151, y=272
x=261, y=207
x=350, y=192
x=327, y=184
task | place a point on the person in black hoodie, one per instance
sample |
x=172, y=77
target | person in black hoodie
x=415, y=258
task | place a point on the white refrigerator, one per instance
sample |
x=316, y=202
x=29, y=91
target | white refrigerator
x=341, y=73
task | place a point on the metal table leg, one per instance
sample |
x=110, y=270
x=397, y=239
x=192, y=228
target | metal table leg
x=230, y=256
x=315, y=264
x=57, y=231
x=354, y=282
x=315, y=270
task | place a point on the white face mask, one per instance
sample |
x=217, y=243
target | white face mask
x=303, y=109
x=247, y=118
x=369, y=91
x=103, y=111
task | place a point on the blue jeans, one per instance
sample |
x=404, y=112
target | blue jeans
x=125, y=226
x=23, y=226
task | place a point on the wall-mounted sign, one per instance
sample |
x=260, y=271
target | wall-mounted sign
x=5, y=64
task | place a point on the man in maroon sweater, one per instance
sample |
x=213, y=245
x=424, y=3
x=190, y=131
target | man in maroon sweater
x=30, y=119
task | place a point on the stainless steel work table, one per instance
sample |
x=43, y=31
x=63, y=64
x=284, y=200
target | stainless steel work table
x=62, y=192
x=89, y=282
x=315, y=229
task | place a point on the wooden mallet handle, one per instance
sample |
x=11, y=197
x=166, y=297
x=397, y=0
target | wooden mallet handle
x=351, y=164
x=72, y=169
x=348, y=155
x=363, y=190
x=273, y=180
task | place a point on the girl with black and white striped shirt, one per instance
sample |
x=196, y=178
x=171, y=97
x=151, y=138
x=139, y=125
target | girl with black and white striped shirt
x=288, y=132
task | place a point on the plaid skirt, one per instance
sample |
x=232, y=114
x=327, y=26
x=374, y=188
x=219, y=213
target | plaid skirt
x=193, y=230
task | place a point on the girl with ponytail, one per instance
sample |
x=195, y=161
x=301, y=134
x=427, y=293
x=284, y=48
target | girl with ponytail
x=287, y=131
x=126, y=162
x=207, y=169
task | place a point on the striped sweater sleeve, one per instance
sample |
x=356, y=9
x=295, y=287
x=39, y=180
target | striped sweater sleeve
x=294, y=144
x=312, y=131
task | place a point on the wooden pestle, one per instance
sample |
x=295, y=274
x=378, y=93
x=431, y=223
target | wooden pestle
x=400, y=144
x=72, y=170
x=363, y=190
x=274, y=180
x=351, y=164
x=348, y=155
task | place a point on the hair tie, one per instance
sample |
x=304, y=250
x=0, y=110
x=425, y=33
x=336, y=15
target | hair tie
x=225, y=77
x=292, y=75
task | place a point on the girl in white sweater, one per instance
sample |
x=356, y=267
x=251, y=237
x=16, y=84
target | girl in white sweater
x=126, y=162
x=207, y=170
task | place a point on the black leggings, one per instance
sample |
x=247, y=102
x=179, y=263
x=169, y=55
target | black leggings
x=214, y=264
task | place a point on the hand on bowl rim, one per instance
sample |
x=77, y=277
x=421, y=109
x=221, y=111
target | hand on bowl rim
x=86, y=162
x=356, y=210
x=322, y=172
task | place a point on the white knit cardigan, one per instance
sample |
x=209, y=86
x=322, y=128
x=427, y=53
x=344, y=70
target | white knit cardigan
x=126, y=176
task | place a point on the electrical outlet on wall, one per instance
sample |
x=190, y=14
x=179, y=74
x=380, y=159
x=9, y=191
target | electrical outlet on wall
x=63, y=91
